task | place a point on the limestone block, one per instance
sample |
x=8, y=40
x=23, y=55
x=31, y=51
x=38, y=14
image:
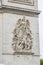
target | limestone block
x=9, y=58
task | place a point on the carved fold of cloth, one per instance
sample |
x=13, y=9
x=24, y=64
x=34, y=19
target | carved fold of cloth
x=22, y=39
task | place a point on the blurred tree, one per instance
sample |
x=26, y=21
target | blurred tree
x=41, y=62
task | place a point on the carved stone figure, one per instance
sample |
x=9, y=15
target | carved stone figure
x=22, y=39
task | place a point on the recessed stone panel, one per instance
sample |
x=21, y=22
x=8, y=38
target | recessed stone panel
x=29, y=2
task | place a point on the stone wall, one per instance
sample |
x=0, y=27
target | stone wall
x=26, y=14
x=9, y=23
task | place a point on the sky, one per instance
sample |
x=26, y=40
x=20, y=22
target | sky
x=40, y=5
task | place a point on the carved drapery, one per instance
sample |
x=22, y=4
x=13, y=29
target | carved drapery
x=22, y=39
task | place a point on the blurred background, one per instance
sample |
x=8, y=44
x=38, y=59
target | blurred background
x=40, y=6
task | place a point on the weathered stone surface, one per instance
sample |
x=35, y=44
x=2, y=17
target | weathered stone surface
x=27, y=2
x=33, y=4
x=19, y=33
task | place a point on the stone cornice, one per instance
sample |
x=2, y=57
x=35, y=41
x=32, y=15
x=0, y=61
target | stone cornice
x=18, y=53
x=20, y=9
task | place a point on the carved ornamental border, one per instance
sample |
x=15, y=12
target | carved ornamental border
x=26, y=2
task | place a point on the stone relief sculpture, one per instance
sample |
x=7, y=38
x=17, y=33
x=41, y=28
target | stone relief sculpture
x=22, y=39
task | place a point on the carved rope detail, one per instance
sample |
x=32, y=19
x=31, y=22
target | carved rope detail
x=22, y=39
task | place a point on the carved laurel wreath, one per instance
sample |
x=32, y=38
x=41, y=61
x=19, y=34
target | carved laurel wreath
x=22, y=39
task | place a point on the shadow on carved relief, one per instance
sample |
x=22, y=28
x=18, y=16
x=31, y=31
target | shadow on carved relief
x=22, y=36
